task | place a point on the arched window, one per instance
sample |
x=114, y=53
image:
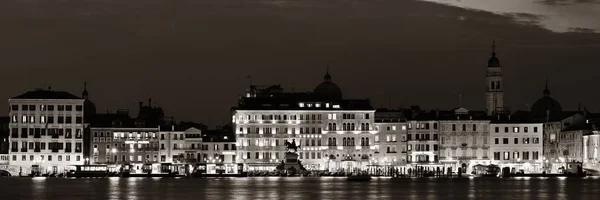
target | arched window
x=497, y=84
x=334, y=142
x=367, y=127
x=352, y=128
x=362, y=126
x=388, y=149
x=343, y=141
x=362, y=141
x=352, y=142
x=329, y=127
x=334, y=127
x=492, y=84
x=329, y=142
x=366, y=141
x=343, y=126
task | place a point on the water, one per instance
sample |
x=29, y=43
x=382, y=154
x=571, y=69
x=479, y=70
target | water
x=299, y=188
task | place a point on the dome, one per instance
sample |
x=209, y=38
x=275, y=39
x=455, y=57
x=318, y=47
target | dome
x=493, y=61
x=546, y=104
x=328, y=90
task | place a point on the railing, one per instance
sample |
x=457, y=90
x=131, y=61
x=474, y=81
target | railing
x=14, y=150
x=36, y=150
x=68, y=150
x=37, y=135
x=23, y=149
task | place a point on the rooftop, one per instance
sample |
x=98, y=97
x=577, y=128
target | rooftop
x=46, y=94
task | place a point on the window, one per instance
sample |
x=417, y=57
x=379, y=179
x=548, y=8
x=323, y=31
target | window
x=505, y=141
x=474, y=127
x=516, y=140
x=78, y=108
x=515, y=129
x=506, y=155
x=536, y=155
x=453, y=127
x=69, y=107
x=14, y=107
x=61, y=108
x=464, y=127
x=506, y=129
x=525, y=129
x=410, y=147
x=50, y=119
x=68, y=120
x=535, y=129
x=536, y=140
x=525, y=140
x=516, y=155
x=496, y=155
x=497, y=129
x=50, y=107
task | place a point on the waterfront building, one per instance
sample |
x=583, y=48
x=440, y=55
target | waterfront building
x=517, y=144
x=591, y=143
x=219, y=153
x=124, y=143
x=328, y=128
x=423, y=141
x=46, y=131
x=4, y=143
x=390, y=139
x=180, y=146
x=464, y=140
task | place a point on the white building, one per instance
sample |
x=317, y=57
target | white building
x=333, y=133
x=46, y=131
x=464, y=140
x=517, y=145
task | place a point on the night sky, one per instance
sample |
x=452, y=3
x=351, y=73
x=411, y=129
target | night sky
x=192, y=57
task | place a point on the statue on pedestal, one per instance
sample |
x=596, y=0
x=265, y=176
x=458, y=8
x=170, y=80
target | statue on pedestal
x=291, y=146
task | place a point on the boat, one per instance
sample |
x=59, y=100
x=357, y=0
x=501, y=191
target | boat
x=88, y=171
x=359, y=177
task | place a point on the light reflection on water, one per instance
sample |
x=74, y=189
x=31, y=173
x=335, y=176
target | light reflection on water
x=299, y=188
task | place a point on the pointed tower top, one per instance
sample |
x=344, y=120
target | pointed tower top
x=327, y=76
x=546, y=90
x=494, y=48
x=84, y=94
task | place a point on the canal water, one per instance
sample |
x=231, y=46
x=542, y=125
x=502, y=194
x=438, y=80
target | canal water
x=299, y=188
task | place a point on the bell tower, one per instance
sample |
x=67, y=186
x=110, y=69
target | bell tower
x=494, y=96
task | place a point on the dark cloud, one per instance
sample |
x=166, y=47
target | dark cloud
x=192, y=56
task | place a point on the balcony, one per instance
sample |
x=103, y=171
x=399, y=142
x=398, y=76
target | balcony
x=68, y=150
x=78, y=151
x=37, y=135
x=24, y=135
x=37, y=150
x=55, y=136
x=55, y=150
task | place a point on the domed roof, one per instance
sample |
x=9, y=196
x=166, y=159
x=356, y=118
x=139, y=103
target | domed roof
x=546, y=107
x=493, y=61
x=328, y=90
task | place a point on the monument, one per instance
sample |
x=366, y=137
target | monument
x=291, y=164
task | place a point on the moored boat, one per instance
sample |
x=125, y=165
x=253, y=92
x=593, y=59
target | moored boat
x=359, y=177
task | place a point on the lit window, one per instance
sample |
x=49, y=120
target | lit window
x=336, y=106
x=318, y=105
x=393, y=128
x=43, y=119
x=403, y=128
x=24, y=119
x=309, y=105
x=326, y=105
x=516, y=129
x=328, y=116
x=301, y=105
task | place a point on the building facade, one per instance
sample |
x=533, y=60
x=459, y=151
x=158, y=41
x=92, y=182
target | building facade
x=333, y=133
x=517, y=145
x=46, y=131
x=464, y=140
